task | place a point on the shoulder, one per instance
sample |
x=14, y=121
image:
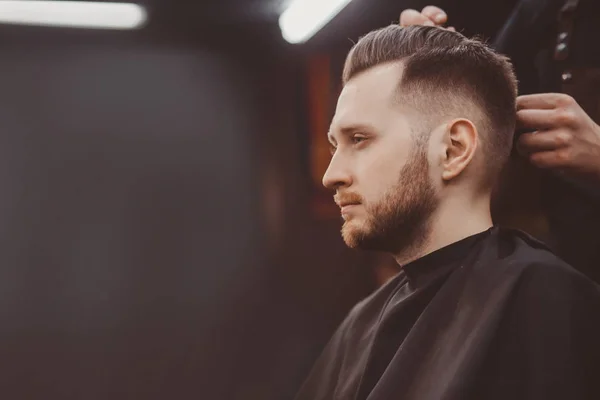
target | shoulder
x=525, y=267
x=523, y=252
x=541, y=276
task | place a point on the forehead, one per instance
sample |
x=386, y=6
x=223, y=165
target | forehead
x=369, y=95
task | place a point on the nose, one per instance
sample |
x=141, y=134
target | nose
x=337, y=174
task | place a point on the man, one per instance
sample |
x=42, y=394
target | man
x=548, y=40
x=422, y=128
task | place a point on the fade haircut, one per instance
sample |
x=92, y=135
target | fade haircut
x=446, y=74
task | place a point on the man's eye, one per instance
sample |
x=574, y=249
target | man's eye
x=356, y=139
x=332, y=149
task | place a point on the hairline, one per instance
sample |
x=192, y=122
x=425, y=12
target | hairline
x=410, y=101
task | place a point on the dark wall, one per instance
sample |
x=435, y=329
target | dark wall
x=129, y=213
x=155, y=234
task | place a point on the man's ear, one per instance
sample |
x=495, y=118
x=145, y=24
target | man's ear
x=461, y=140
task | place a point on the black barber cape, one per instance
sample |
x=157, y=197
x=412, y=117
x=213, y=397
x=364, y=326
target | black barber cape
x=493, y=316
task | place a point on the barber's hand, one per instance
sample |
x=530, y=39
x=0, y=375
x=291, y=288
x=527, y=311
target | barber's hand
x=429, y=16
x=565, y=140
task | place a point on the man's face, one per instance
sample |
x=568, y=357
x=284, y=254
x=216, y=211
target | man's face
x=378, y=170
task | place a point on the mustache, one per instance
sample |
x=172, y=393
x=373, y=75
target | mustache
x=347, y=198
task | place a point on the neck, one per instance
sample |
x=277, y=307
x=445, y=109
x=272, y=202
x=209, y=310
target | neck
x=453, y=221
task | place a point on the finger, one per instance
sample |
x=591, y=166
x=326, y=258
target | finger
x=435, y=14
x=542, y=141
x=544, y=101
x=549, y=119
x=536, y=119
x=558, y=159
x=410, y=17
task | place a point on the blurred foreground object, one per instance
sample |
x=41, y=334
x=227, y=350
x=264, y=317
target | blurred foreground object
x=303, y=18
x=73, y=14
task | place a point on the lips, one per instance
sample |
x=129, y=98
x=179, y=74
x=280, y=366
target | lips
x=347, y=201
x=342, y=205
x=346, y=209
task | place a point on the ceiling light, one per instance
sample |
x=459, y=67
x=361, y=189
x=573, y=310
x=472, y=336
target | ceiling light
x=76, y=14
x=303, y=18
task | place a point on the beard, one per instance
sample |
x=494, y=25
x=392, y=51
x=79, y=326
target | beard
x=399, y=221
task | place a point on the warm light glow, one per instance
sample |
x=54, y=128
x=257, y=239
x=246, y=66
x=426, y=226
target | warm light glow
x=303, y=18
x=76, y=14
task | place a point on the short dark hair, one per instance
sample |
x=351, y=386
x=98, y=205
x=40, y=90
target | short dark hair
x=444, y=72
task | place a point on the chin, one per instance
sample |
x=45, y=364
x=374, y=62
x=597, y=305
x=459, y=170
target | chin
x=352, y=234
x=364, y=237
x=358, y=236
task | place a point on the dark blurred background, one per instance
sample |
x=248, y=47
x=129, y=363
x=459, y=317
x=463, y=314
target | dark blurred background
x=162, y=235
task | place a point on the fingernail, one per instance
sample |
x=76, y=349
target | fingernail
x=428, y=23
x=440, y=18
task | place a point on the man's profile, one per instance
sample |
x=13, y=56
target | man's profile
x=422, y=129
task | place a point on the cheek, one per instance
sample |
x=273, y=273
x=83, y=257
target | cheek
x=380, y=170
